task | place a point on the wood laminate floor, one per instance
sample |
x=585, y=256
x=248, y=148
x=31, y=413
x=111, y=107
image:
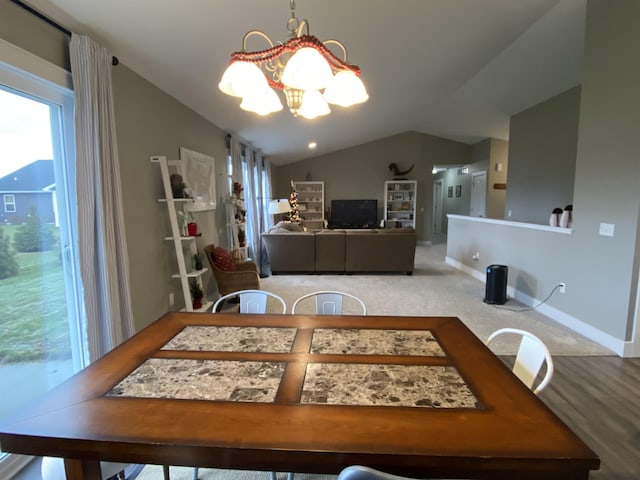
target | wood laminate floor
x=599, y=398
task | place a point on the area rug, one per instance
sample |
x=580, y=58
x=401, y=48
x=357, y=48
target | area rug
x=154, y=472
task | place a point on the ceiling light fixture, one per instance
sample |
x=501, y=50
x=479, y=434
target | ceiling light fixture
x=310, y=75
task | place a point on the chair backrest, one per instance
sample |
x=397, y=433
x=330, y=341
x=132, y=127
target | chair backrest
x=532, y=354
x=328, y=302
x=252, y=301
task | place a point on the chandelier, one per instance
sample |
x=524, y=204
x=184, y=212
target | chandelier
x=308, y=73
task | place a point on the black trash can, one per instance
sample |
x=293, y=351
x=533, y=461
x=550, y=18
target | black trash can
x=496, y=286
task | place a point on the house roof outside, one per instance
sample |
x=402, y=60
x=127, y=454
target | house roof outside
x=35, y=177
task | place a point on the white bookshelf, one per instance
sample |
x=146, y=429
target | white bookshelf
x=400, y=203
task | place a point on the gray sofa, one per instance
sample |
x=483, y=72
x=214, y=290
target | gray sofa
x=341, y=251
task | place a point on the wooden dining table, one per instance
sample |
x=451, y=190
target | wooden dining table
x=413, y=396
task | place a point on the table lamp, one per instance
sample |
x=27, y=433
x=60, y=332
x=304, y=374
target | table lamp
x=279, y=206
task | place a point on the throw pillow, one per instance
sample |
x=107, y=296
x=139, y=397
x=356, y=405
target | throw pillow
x=223, y=260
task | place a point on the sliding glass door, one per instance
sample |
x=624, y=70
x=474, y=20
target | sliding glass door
x=42, y=339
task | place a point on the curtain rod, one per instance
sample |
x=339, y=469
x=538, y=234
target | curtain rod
x=57, y=26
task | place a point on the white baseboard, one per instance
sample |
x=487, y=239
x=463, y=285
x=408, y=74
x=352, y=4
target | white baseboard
x=620, y=347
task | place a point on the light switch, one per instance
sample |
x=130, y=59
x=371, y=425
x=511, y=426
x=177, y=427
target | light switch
x=607, y=229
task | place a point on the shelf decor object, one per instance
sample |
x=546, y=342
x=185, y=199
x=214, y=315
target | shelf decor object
x=310, y=75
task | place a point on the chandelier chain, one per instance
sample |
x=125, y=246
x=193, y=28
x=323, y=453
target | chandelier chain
x=293, y=23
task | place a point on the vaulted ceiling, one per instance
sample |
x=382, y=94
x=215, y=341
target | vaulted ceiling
x=452, y=68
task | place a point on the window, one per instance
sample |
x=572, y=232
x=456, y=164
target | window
x=43, y=337
x=9, y=203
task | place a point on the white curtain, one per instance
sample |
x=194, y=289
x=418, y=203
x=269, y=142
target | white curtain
x=265, y=220
x=104, y=262
x=252, y=169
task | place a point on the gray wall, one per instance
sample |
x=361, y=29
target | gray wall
x=148, y=122
x=542, y=157
x=360, y=172
x=608, y=166
x=600, y=272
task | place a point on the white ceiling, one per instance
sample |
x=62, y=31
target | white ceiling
x=452, y=68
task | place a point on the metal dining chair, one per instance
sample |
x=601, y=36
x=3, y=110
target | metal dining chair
x=359, y=472
x=251, y=301
x=532, y=354
x=52, y=468
x=328, y=302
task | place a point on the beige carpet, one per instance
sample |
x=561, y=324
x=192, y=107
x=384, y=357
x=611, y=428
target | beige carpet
x=154, y=472
x=436, y=288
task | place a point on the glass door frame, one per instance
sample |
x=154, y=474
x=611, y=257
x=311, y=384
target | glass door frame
x=33, y=77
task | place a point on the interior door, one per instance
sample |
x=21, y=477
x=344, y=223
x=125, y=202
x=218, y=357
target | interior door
x=437, y=207
x=478, y=194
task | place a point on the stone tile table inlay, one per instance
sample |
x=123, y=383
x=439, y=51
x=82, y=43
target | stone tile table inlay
x=375, y=342
x=202, y=380
x=233, y=339
x=386, y=385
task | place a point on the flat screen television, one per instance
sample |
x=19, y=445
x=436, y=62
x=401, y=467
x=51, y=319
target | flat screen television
x=354, y=213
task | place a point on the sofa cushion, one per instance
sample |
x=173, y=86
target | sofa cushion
x=380, y=251
x=223, y=260
x=330, y=250
x=290, y=251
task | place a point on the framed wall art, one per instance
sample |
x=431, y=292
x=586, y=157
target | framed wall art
x=458, y=190
x=199, y=176
x=450, y=192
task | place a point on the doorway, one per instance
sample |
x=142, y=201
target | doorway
x=478, y=194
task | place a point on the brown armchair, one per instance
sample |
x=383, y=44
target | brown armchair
x=245, y=277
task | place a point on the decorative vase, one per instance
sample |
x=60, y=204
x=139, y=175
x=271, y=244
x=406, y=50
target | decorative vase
x=197, y=303
x=192, y=229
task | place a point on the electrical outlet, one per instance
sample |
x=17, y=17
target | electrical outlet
x=563, y=287
x=171, y=299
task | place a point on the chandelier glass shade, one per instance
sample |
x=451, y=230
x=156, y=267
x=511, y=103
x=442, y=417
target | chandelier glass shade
x=308, y=73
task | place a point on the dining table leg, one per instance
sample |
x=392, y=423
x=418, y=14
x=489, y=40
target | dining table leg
x=77, y=469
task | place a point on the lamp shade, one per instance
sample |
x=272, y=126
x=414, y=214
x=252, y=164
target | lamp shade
x=346, y=89
x=279, y=205
x=307, y=69
x=313, y=105
x=243, y=78
x=262, y=103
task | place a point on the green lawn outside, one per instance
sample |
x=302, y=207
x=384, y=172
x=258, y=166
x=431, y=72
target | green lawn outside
x=34, y=322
